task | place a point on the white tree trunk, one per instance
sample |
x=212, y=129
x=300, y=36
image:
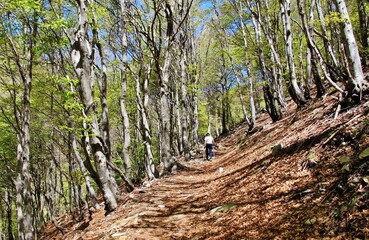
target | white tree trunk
x=81, y=58
x=296, y=92
x=352, y=52
x=24, y=200
x=146, y=133
x=123, y=110
x=91, y=190
x=184, y=101
x=313, y=46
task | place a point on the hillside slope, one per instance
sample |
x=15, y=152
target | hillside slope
x=302, y=177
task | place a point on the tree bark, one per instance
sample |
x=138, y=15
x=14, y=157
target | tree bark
x=9, y=214
x=82, y=62
x=184, y=101
x=194, y=95
x=123, y=110
x=178, y=118
x=90, y=189
x=143, y=102
x=364, y=32
x=252, y=120
x=24, y=200
x=355, y=84
x=164, y=91
x=327, y=45
x=315, y=53
x=271, y=103
x=294, y=89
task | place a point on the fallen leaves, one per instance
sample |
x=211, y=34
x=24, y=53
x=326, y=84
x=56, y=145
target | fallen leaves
x=312, y=187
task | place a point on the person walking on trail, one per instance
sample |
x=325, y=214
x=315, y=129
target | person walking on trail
x=209, y=141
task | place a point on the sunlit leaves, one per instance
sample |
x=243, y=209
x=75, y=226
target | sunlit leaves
x=364, y=153
x=24, y=6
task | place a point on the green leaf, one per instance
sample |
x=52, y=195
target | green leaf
x=364, y=153
x=345, y=167
x=345, y=160
x=224, y=208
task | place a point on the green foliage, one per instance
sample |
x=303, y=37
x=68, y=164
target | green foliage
x=26, y=6
x=345, y=161
x=224, y=208
x=333, y=18
x=364, y=153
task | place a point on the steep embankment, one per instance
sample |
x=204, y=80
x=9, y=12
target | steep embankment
x=299, y=178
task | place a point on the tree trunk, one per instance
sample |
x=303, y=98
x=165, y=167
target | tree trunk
x=327, y=45
x=355, y=84
x=81, y=58
x=126, y=128
x=364, y=32
x=315, y=54
x=146, y=133
x=271, y=103
x=252, y=104
x=184, y=101
x=165, y=155
x=194, y=94
x=178, y=118
x=320, y=89
x=276, y=68
x=173, y=122
x=9, y=214
x=89, y=186
x=24, y=200
x=225, y=111
x=294, y=89
x=252, y=120
x=309, y=63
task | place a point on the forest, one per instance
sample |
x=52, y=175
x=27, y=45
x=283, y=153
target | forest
x=100, y=96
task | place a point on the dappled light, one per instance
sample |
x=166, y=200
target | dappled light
x=247, y=192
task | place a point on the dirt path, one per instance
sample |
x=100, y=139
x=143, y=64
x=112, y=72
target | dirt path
x=249, y=191
x=166, y=209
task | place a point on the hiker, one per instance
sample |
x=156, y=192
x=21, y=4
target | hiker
x=209, y=142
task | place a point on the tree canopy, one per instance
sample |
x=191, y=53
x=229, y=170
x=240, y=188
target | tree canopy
x=96, y=95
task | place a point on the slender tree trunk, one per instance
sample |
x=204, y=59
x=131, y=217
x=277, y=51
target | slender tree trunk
x=123, y=110
x=143, y=102
x=309, y=76
x=184, y=101
x=208, y=118
x=277, y=68
x=173, y=123
x=81, y=53
x=271, y=103
x=9, y=214
x=24, y=200
x=364, y=32
x=252, y=104
x=178, y=118
x=274, y=111
x=356, y=83
x=225, y=113
x=165, y=155
x=218, y=125
x=89, y=186
x=194, y=94
x=251, y=89
x=294, y=89
x=327, y=45
x=315, y=54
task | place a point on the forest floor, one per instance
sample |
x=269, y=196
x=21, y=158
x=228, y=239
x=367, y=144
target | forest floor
x=304, y=177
